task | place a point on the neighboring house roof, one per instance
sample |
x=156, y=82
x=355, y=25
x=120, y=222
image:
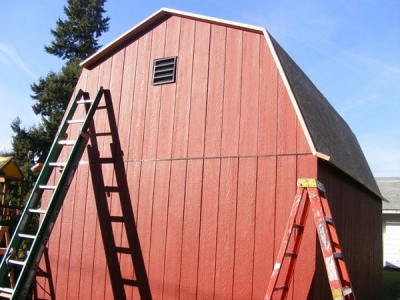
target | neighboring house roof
x=9, y=169
x=328, y=135
x=390, y=189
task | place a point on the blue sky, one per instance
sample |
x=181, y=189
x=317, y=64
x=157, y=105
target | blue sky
x=349, y=49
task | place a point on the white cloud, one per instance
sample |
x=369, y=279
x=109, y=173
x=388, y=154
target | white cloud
x=7, y=54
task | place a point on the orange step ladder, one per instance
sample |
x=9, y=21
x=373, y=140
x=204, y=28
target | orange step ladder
x=312, y=193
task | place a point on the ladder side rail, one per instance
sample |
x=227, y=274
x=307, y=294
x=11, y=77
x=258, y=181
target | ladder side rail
x=45, y=228
x=298, y=239
x=55, y=150
x=284, y=244
x=325, y=243
x=36, y=193
x=344, y=274
x=55, y=203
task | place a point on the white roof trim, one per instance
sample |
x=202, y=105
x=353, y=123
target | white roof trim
x=154, y=17
x=290, y=93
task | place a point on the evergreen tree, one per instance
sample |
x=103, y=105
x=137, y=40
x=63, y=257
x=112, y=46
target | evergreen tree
x=75, y=38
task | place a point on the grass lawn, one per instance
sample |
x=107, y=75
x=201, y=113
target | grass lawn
x=391, y=284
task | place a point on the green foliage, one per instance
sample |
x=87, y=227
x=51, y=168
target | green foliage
x=391, y=284
x=75, y=39
x=52, y=95
x=77, y=36
x=26, y=147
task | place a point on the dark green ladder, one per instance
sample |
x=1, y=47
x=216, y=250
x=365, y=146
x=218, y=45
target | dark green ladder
x=49, y=215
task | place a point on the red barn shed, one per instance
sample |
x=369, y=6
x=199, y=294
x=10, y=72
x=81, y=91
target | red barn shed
x=191, y=176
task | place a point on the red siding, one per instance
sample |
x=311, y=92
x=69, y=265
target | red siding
x=203, y=174
x=360, y=233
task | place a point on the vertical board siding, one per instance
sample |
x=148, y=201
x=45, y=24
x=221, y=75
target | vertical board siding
x=287, y=122
x=305, y=265
x=173, y=247
x=152, y=118
x=125, y=120
x=199, y=90
x=207, y=192
x=140, y=97
x=268, y=112
x=183, y=89
x=116, y=197
x=131, y=270
x=232, y=92
x=80, y=189
x=164, y=146
x=159, y=228
x=125, y=108
x=102, y=127
x=245, y=224
x=226, y=232
x=145, y=208
x=264, y=225
x=216, y=73
x=191, y=229
x=90, y=220
x=208, y=229
x=249, y=94
x=357, y=215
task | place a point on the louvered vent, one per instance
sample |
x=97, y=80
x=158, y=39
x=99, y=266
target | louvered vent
x=164, y=70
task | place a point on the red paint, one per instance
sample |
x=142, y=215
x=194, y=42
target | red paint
x=210, y=163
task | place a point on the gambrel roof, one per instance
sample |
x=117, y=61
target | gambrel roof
x=328, y=135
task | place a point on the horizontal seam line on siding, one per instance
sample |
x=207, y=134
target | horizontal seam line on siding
x=209, y=157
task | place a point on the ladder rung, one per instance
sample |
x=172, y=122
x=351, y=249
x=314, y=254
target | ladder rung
x=111, y=189
x=57, y=164
x=27, y=236
x=298, y=226
x=103, y=133
x=63, y=164
x=338, y=255
x=47, y=187
x=16, y=262
x=116, y=219
x=290, y=254
x=6, y=292
x=347, y=291
x=329, y=220
x=105, y=160
x=283, y=287
x=129, y=282
x=123, y=250
x=84, y=101
x=37, y=211
x=66, y=142
x=75, y=121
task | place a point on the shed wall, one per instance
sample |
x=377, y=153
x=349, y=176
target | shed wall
x=358, y=220
x=190, y=184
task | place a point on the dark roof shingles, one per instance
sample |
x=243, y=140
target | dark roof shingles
x=329, y=132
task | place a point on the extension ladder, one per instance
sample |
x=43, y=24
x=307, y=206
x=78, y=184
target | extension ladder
x=312, y=193
x=32, y=211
